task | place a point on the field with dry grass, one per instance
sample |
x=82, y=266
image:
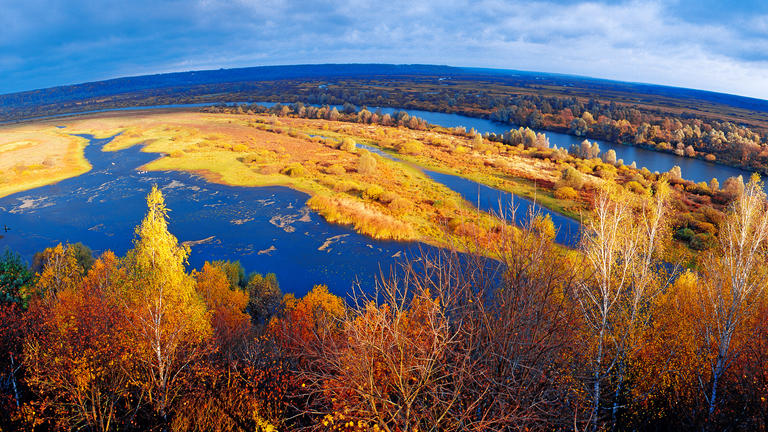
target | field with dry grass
x=37, y=155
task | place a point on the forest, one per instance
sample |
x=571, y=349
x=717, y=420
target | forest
x=715, y=127
x=509, y=334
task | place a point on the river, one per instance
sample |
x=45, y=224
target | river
x=269, y=229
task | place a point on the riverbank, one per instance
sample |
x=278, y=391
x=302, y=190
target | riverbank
x=36, y=155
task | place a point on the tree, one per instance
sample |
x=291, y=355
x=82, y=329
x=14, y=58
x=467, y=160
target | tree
x=16, y=279
x=264, y=297
x=76, y=352
x=60, y=271
x=348, y=145
x=675, y=173
x=734, y=279
x=234, y=272
x=226, y=305
x=621, y=248
x=609, y=157
x=429, y=352
x=169, y=319
x=714, y=185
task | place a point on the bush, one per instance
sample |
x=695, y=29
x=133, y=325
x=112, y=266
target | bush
x=373, y=192
x=294, y=170
x=573, y=178
x=684, y=234
x=460, y=149
x=411, y=147
x=702, y=241
x=335, y=169
x=388, y=196
x=366, y=165
x=399, y=205
x=635, y=187
x=348, y=145
x=566, y=192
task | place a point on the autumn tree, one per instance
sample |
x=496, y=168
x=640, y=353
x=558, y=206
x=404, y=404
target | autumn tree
x=734, y=280
x=624, y=274
x=448, y=344
x=16, y=281
x=264, y=297
x=366, y=165
x=226, y=305
x=168, y=318
x=75, y=349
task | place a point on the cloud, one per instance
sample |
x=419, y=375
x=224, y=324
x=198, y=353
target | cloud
x=700, y=44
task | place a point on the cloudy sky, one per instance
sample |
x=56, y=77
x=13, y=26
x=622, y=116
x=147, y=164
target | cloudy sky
x=706, y=44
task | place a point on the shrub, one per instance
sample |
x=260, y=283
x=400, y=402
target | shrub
x=240, y=148
x=399, y=205
x=573, y=178
x=335, y=169
x=411, y=147
x=702, y=241
x=348, y=145
x=366, y=165
x=388, y=196
x=635, y=187
x=566, y=192
x=459, y=150
x=373, y=192
x=294, y=170
x=684, y=234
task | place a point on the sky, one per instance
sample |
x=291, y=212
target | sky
x=704, y=44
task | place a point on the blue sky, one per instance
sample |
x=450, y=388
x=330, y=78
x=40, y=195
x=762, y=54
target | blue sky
x=705, y=44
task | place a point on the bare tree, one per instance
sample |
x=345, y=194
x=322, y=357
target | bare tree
x=453, y=341
x=734, y=278
x=620, y=249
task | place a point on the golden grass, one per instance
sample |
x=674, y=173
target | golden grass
x=37, y=155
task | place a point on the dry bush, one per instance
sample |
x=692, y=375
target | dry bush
x=366, y=165
x=335, y=169
x=566, y=192
x=365, y=219
x=450, y=342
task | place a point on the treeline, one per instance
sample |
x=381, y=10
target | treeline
x=681, y=127
x=534, y=338
x=349, y=113
x=667, y=130
x=683, y=135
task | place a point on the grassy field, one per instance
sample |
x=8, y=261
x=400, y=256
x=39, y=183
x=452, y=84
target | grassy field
x=37, y=155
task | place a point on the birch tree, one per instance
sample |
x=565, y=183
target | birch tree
x=169, y=318
x=734, y=279
x=621, y=249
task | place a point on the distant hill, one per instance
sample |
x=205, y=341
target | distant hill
x=205, y=85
